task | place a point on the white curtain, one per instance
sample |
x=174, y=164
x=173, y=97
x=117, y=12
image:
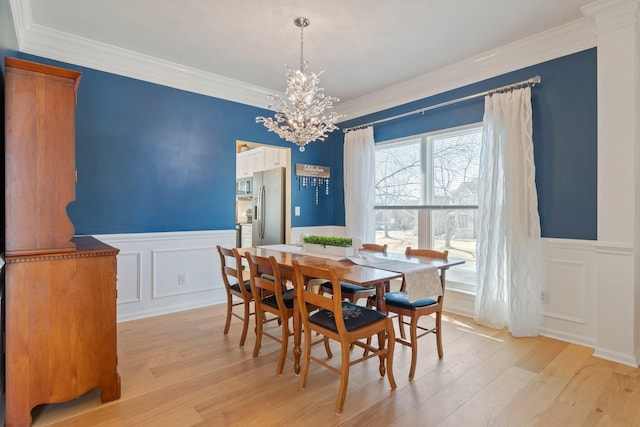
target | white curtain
x=359, y=181
x=508, y=244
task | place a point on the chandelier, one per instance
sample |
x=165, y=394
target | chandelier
x=302, y=119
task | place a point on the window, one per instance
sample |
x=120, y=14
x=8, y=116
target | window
x=426, y=196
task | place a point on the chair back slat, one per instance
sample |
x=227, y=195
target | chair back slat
x=262, y=286
x=374, y=247
x=231, y=266
x=427, y=253
x=301, y=274
x=230, y=271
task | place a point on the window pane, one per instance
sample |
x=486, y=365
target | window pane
x=399, y=231
x=447, y=234
x=456, y=159
x=439, y=170
x=398, y=174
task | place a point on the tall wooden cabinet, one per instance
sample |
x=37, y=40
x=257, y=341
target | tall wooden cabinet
x=60, y=290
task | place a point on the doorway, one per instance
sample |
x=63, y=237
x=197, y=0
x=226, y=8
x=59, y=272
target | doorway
x=254, y=157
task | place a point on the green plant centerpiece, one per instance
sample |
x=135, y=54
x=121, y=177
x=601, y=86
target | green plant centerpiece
x=325, y=241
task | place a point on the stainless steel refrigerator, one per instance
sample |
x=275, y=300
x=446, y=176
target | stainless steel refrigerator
x=268, y=207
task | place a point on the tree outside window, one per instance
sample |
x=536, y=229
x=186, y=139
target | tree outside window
x=427, y=194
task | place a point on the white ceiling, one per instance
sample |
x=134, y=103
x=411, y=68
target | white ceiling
x=362, y=45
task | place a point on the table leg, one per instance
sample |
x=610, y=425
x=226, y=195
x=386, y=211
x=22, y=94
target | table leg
x=297, y=338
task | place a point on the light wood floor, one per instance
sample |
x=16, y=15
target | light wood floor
x=180, y=370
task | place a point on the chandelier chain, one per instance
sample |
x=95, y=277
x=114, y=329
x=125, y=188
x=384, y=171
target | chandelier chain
x=302, y=48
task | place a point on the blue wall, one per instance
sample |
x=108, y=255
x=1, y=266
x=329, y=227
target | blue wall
x=151, y=158
x=564, y=137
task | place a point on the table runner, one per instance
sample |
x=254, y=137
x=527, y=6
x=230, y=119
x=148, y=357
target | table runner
x=420, y=281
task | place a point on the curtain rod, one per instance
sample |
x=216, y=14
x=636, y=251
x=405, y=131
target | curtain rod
x=529, y=82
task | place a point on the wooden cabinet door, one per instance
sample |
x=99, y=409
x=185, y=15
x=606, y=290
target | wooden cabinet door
x=40, y=175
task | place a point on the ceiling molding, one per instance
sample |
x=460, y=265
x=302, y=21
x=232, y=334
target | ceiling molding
x=65, y=47
x=565, y=40
x=612, y=15
x=48, y=43
x=21, y=12
x=41, y=41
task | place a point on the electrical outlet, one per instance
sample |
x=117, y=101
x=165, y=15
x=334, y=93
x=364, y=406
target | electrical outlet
x=182, y=279
x=297, y=211
x=544, y=297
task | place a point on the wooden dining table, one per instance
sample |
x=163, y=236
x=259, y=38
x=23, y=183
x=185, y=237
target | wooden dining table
x=353, y=271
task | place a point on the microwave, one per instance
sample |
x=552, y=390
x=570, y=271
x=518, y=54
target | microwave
x=244, y=187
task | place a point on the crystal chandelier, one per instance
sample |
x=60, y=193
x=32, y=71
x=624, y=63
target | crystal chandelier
x=302, y=119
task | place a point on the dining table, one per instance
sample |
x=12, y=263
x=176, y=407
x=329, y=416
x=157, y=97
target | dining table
x=366, y=268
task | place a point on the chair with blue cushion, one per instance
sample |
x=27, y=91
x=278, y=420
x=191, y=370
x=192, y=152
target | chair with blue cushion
x=344, y=322
x=270, y=295
x=398, y=303
x=237, y=288
x=350, y=292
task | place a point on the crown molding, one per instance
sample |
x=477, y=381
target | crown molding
x=610, y=15
x=21, y=12
x=60, y=46
x=41, y=41
x=570, y=38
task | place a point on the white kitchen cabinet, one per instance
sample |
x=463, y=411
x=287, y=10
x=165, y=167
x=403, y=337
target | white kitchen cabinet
x=249, y=162
x=259, y=159
x=274, y=157
x=245, y=237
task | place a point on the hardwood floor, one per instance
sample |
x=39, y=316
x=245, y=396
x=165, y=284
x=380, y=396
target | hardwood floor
x=180, y=370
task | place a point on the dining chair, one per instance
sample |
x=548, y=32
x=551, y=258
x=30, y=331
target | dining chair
x=398, y=303
x=270, y=295
x=344, y=322
x=231, y=267
x=350, y=292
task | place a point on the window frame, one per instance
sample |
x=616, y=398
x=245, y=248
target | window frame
x=425, y=238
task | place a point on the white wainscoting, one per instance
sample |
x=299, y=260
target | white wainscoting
x=570, y=286
x=568, y=309
x=161, y=273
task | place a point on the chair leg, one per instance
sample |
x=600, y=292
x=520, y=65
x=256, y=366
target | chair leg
x=344, y=378
x=284, y=346
x=401, y=326
x=327, y=348
x=414, y=345
x=439, y=333
x=370, y=304
x=227, y=323
x=259, y=326
x=307, y=358
x=391, y=342
x=245, y=322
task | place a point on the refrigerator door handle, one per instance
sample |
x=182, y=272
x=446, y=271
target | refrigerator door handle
x=257, y=209
x=262, y=211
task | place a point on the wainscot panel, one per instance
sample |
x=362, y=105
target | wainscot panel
x=568, y=292
x=161, y=273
